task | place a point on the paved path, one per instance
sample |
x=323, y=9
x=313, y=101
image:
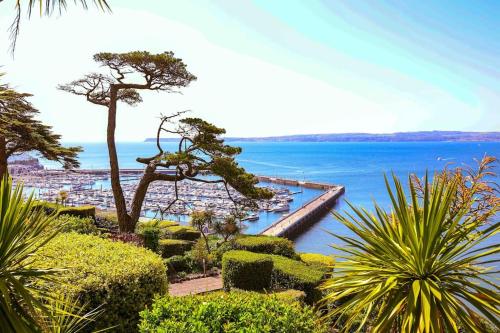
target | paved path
x=196, y=286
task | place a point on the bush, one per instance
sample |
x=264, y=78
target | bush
x=319, y=261
x=228, y=312
x=183, y=232
x=172, y=247
x=151, y=237
x=291, y=295
x=80, y=211
x=266, y=244
x=246, y=270
x=293, y=274
x=165, y=224
x=178, y=263
x=120, y=277
x=286, y=273
x=81, y=225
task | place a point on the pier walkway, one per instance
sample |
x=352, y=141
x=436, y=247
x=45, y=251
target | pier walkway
x=294, y=223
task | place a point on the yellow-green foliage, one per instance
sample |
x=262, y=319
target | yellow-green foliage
x=318, y=260
x=165, y=224
x=172, y=247
x=183, y=232
x=81, y=225
x=107, y=216
x=229, y=312
x=266, y=244
x=123, y=277
x=291, y=295
x=80, y=211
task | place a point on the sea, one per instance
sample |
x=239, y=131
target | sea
x=359, y=166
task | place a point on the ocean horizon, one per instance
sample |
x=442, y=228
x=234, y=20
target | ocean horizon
x=359, y=166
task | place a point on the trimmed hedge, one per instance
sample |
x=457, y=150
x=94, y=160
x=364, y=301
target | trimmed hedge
x=182, y=232
x=286, y=273
x=293, y=274
x=120, y=277
x=266, y=244
x=165, y=224
x=246, y=270
x=81, y=225
x=229, y=312
x=172, y=247
x=291, y=295
x=319, y=261
x=80, y=211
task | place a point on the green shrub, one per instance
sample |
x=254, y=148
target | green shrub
x=319, y=261
x=165, y=224
x=120, y=277
x=81, y=225
x=172, y=247
x=228, y=312
x=293, y=274
x=151, y=236
x=80, y=211
x=286, y=273
x=182, y=232
x=107, y=216
x=266, y=244
x=179, y=263
x=291, y=295
x=246, y=270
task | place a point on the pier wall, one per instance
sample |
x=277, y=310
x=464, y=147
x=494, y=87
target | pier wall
x=295, y=223
x=292, y=182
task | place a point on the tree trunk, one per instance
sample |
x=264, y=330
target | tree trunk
x=140, y=194
x=124, y=220
x=3, y=157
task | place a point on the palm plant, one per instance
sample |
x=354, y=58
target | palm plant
x=23, y=230
x=46, y=7
x=414, y=269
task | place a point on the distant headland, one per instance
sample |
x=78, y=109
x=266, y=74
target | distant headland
x=455, y=136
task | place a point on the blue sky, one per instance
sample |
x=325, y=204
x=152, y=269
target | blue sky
x=277, y=67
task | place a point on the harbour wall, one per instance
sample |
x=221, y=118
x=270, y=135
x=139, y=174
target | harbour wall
x=292, y=182
x=296, y=222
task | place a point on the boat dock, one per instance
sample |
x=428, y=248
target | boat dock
x=294, y=224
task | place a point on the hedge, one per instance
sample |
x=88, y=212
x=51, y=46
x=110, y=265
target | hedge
x=179, y=263
x=183, y=232
x=286, y=273
x=229, y=312
x=293, y=274
x=120, y=277
x=172, y=247
x=80, y=211
x=246, y=270
x=266, y=244
x=81, y=225
x=291, y=295
x=319, y=261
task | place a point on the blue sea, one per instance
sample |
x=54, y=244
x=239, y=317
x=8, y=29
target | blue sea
x=360, y=167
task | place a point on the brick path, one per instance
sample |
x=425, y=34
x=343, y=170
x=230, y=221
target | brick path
x=196, y=286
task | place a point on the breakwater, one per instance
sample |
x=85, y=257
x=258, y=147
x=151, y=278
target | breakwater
x=293, y=182
x=292, y=225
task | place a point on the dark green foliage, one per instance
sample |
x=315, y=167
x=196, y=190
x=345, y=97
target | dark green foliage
x=180, y=263
x=151, y=237
x=286, y=273
x=121, y=277
x=182, y=232
x=172, y=247
x=246, y=270
x=229, y=312
x=293, y=274
x=266, y=244
x=81, y=225
x=80, y=211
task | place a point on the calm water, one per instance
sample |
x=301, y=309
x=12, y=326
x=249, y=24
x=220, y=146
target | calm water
x=358, y=166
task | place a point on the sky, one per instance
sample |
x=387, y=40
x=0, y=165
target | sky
x=268, y=68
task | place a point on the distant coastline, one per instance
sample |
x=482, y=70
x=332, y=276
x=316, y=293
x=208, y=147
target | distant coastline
x=423, y=136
